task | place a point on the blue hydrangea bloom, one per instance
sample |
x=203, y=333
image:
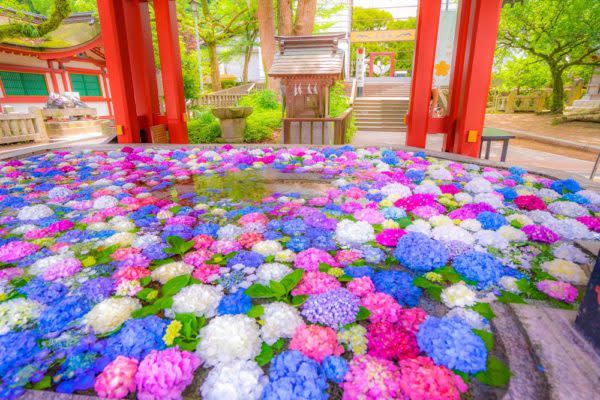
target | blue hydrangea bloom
x=394, y=213
x=57, y=317
x=44, y=292
x=491, y=221
x=298, y=243
x=272, y=235
x=247, y=258
x=372, y=254
x=565, y=186
x=294, y=227
x=97, y=289
x=389, y=157
x=517, y=171
x=236, y=303
x=419, y=253
x=182, y=231
x=509, y=193
x=360, y=271
x=156, y=251
x=324, y=242
x=399, y=285
x=483, y=268
x=293, y=376
x=415, y=175
x=137, y=338
x=451, y=342
x=575, y=197
x=209, y=229
x=335, y=368
x=17, y=349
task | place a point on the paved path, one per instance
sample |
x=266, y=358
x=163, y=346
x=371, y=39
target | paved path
x=520, y=156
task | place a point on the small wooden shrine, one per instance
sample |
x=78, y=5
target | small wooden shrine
x=308, y=66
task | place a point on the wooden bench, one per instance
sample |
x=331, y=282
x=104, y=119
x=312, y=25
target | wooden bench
x=495, y=135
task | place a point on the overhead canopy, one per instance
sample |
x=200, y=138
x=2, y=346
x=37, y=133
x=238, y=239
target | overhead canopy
x=308, y=55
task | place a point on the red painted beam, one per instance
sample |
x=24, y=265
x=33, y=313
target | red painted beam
x=112, y=20
x=170, y=63
x=480, y=44
x=428, y=19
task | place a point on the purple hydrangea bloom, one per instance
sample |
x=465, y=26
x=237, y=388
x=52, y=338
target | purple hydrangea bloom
x=333, y=308
x=419, y=253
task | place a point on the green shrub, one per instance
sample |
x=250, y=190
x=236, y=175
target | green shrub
x=265, y=117
x=205, y=128
x=338, y=104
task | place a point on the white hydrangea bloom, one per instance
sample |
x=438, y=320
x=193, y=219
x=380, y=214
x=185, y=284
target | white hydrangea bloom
x=540, y=216
x=111, y=313
x=439, y=173
x=470, y=317
x=512, y=234
x=267, y=248
x=463, y=198
x=229, y=232
x=471, y=224
x=570, y=229
x=491, y=238
x=198, y=299
x=121, y=238
x=229, y=338
x=419, y=226
x=568, y=208
x=458, y=295
x=565, y=270
x=479, y=185
x=447, y=233
x=166, y=272
x=121, y=223
x=397, y=189
x=286, y=255
x=489, y=198
x=41, y=265
x=548, y=194
x=280, y=320
x=592, y=196
x=509, y=283
x=272, y=272
x=353, y=234
x=103, y=202
x=23, y=229
x=440, y=220
x=33, y=213
x=141, y=242
x=522, y=219
x=568, y=251
x=59, y=193
x=428, y=188
x=98, y=226
x=18, y=313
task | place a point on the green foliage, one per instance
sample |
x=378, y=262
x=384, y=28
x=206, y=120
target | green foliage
x=279, y=291
x=265, y=117
x=560, y=34
x=338, y=104
x=178, y=245
x=370, y=19
x=522, y=73
x=496, y=374
x=60, y=10
x=189, y=70
x=174, y=285
x=205, y=128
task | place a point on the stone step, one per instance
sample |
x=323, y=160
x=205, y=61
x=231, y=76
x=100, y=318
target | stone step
x=382, y=129
x=387, y=118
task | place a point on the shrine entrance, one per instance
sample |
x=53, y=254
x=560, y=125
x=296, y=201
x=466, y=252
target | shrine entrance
x=378, y=68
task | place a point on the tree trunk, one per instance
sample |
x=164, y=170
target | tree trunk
x=247, y=58
x=266, y=31
x=215, y=75
x=558, y=91
x=305, y=17
x=286, y=25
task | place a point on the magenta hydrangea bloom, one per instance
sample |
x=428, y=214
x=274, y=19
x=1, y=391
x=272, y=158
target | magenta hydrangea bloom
x=391, y=341
x=540, y=233
x=371, y=378
x=421, y=379
x=310, y=259
x=529, y=202
x=389, y=237
x=562, y=291
x=382, y=307
x=13, y=251
x=118, y=378
x=165, y=374
x=592, y=223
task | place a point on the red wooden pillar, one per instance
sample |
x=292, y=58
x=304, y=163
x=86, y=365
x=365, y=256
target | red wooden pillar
x=170, y=65
x=471, y=83
x=141, y=59
x=428, y=20
x=113, y=18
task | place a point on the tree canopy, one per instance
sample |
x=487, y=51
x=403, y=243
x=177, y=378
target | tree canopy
x=560, y=34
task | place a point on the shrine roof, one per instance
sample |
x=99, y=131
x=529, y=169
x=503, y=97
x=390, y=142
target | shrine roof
x=308, y=55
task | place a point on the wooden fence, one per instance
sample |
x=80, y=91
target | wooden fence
x=535, y=101
x=321, y=131
x=22, y=127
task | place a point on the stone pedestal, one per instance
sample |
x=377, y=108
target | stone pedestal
x=233, y=122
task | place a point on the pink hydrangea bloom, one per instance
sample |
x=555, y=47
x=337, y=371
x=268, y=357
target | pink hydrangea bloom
x=421, y=379
x=416, y=200
x=165, y=374
x=427, y=212
x=186, y=220
x=318, y=201
x=563, y=291
x=118, y=378
x=369, y=215
x=346, y=257
x=225, y=246
x=310, y=259
x=449, y=189
x=249, y=239
x=371, y=378
x=361, y=286
x=315, y=282
x=412, y=318
x=202, y=242
x=13, y=251
x=37, y=233
x=355, y=193
x=130, y=274
x=123, y=253
x=529, y=202
x=351, y=206
x=61, y=226
x=62, y=269
x=470, y=211
x=540, y=233
x=391, y=341
x=383, y=307
x=253, y=218
x=197, y=258
x=316, y=342
x=205, y=271
x=592, y=223
x=7, y=274
x=389, y=237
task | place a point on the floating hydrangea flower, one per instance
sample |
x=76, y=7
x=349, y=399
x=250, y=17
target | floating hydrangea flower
x=118, y=378
x=361, y=286
x=279, y=320
x=565, y=270
x=458, y=295
x=137, y=338
x=13, y=251
x=562, y=291
x=166, y=272
x=315, y=283
x=239, y=380
x=371, y=378
x=296, y=376
x=451, y=342
x=18, y=313
x=34, y=213
x=165, y=374
x=421, y=379
x=333, y=308
x=197, y=299
x=353, y=234
x=540, y=233
x=479, y=267
x=391, y=341
x=229, y=338
x=111, y=313
x=399, y=285
x=420, y=253
x=310, y=259
x=316, y=342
